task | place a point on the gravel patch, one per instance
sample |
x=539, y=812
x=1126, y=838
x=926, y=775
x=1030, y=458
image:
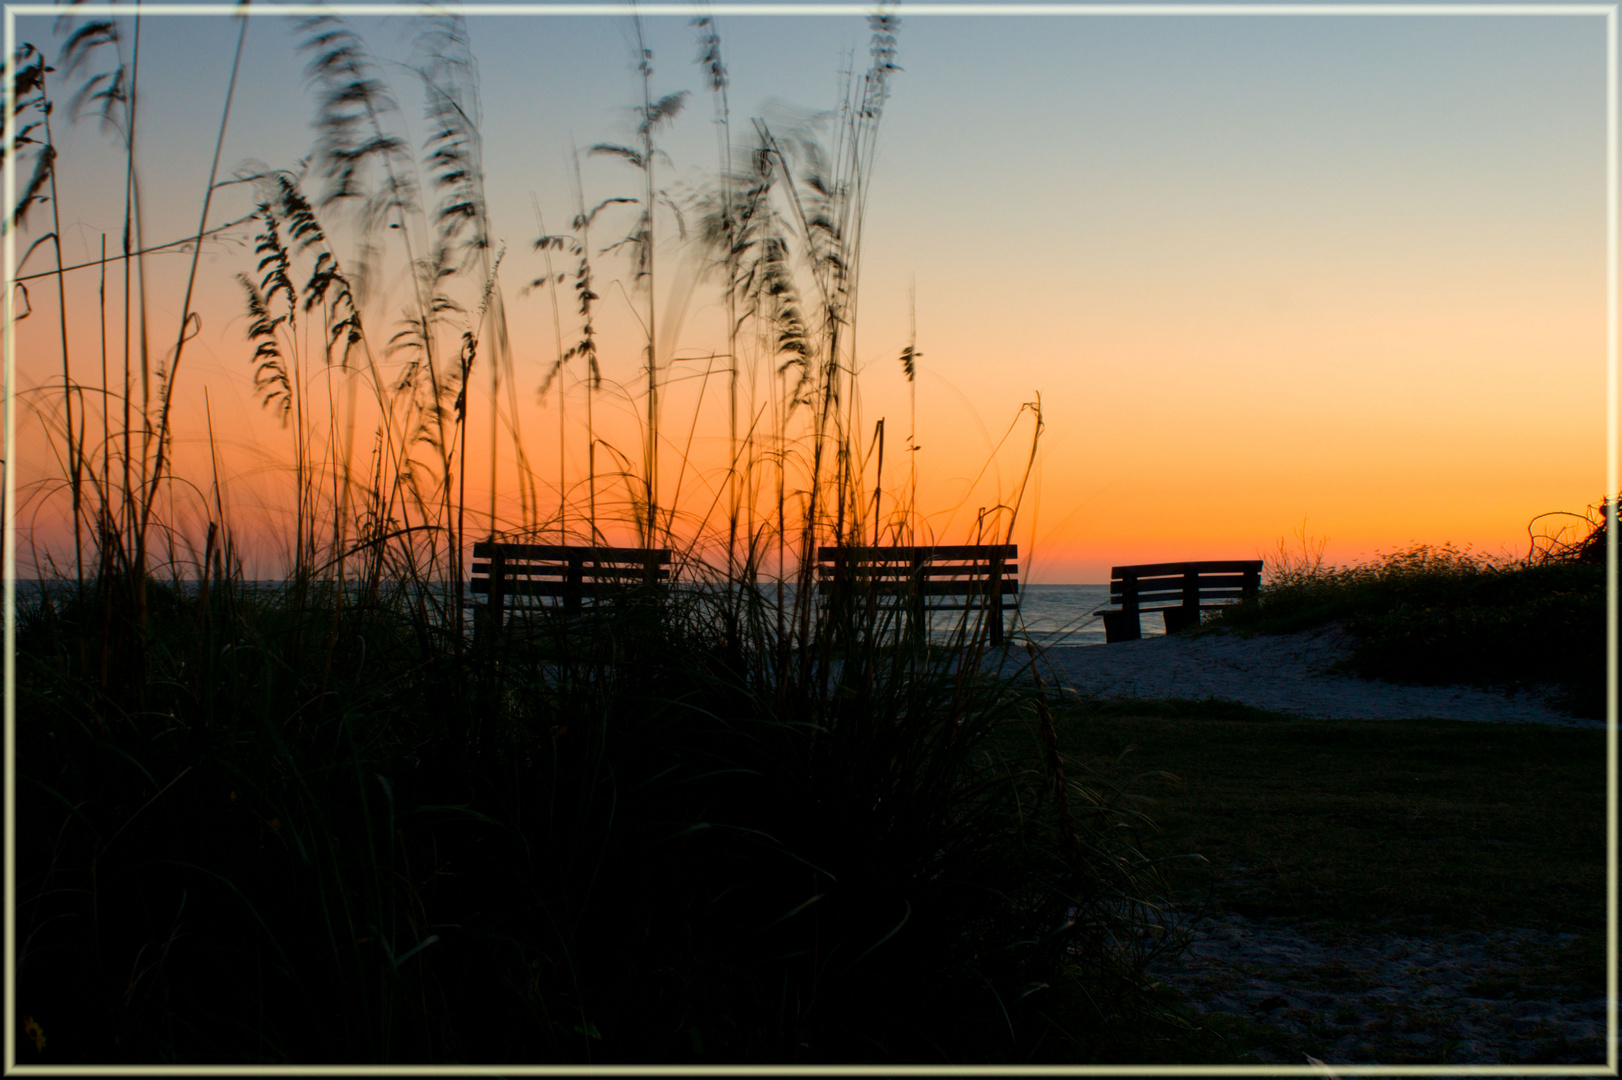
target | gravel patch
x=1447, y=999
x=1285, y=673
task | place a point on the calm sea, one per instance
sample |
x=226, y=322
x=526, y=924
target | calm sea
x=1050, y=614
x=1062, y=614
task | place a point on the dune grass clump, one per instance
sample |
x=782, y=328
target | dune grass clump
x=1439, y=615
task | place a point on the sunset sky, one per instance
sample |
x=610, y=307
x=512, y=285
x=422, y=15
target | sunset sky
x=1262, y=271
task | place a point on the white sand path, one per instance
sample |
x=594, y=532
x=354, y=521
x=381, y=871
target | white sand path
x=1284, y=673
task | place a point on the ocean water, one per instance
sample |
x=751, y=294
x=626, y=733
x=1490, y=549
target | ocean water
x=1063, y=614
x=1055, y=615
x=1049, y=614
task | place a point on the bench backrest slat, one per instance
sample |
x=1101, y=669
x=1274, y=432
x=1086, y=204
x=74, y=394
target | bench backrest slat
x=1167, y=595
x=1225, y=566
x=605, y=572
x=909, y=573
x=483, y=549
x=982, y=587
x=901, y=555
x=535, y=588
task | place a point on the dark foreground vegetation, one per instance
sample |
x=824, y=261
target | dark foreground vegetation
x=1439, y=615
x=316, y=831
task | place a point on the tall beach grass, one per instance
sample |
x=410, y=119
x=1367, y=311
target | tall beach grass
x=320, y=821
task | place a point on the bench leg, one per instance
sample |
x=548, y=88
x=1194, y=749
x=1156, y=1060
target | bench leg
x=1121, y=626
x=498, y=589
x=995, y=601
x=1180, y=619
x=574, y=573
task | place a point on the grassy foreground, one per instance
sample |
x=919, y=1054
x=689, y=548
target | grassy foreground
x=1423, y=824
x=320, y=831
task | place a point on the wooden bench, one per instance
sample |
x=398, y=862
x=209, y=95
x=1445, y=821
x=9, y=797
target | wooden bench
x=569, y=575
x=1178, y=590
x=978, y=575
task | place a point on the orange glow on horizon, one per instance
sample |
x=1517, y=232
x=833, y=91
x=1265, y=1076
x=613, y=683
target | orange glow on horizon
x=1241, y=311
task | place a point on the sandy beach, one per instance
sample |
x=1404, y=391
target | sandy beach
x=1288, y=673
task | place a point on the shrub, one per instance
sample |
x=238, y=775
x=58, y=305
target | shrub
x=1441, y=615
